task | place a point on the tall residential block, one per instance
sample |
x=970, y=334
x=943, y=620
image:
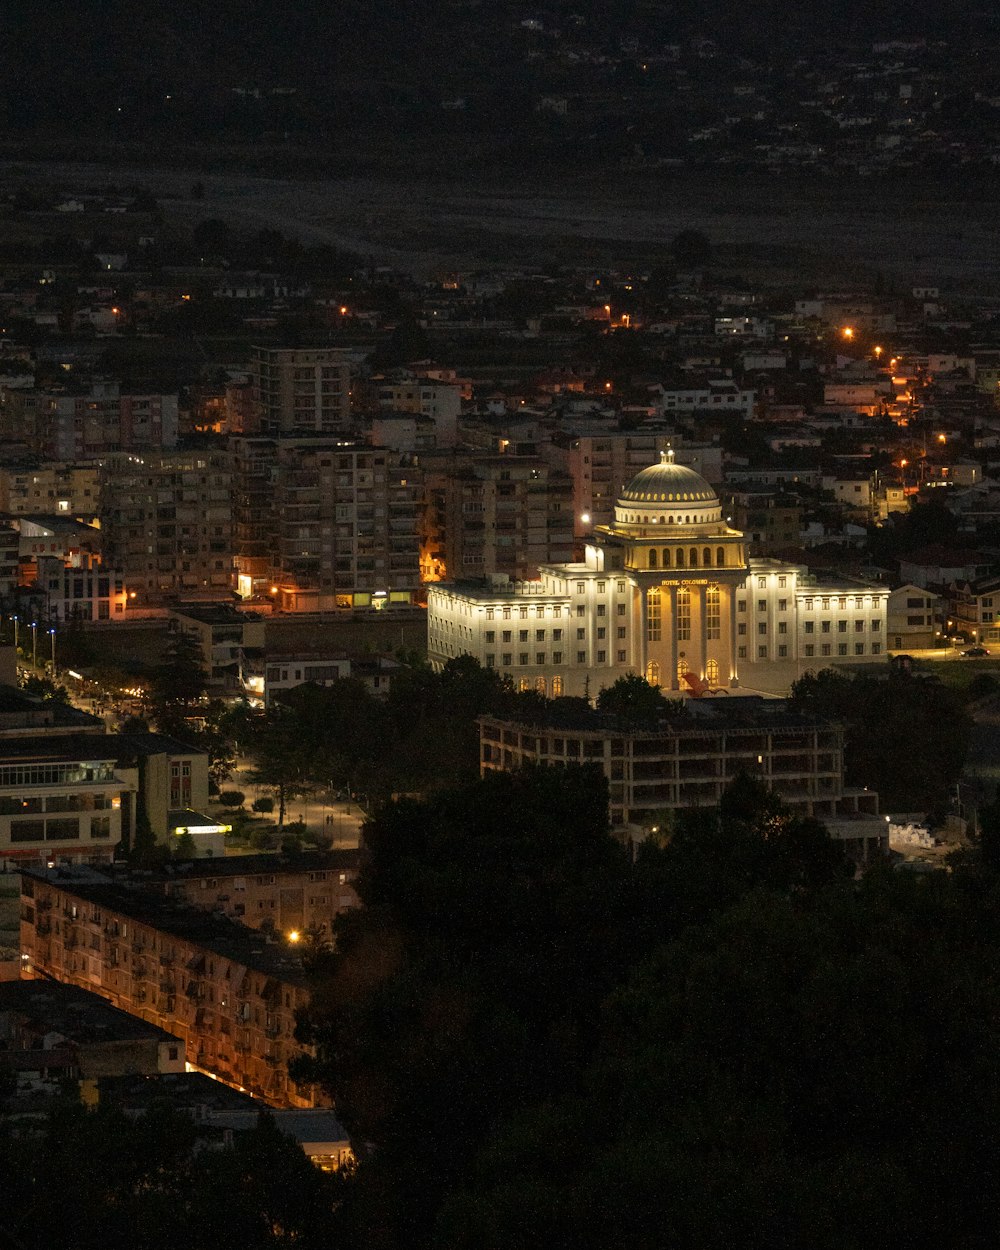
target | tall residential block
x=323, y=524
x=168, y=524
x=300, y=390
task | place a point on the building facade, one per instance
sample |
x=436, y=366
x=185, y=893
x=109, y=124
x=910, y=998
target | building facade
x=689, y=761
x=324, y=524
x=229, y=996
x=493, y=514
x=299, y=390
x=168, y=525
x=667, y=591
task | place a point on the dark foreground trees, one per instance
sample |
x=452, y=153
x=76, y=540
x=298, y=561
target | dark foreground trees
x=106, y=1181
x=472, y=992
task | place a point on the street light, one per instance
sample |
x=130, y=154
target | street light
x=52, y=640
x=16, y=624
x=34, y=644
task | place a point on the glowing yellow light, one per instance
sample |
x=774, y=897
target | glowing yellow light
x=294, y=935
x=942, y=438
x=903, y=463
x=274, y=590
x=343, y=310
x=878, y=351
x=848, y=332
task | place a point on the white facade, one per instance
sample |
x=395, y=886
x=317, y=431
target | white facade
x=672, y=597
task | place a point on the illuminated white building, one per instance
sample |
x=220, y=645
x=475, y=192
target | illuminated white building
x=667, y=591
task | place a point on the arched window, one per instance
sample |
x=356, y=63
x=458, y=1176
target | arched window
x=680, y=557
x=720, y=557
x=662, y=519
x=706, y=557
x=682, y=668
x=694, y=558
x=556, y=687
x=652, y=559
x=540, y=684
x=653, y=673
x=712, y=672
x=666, y=557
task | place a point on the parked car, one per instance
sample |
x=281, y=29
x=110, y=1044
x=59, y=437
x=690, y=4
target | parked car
x=976, y=652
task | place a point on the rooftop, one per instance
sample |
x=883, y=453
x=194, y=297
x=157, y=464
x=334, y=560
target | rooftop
x=128, y=894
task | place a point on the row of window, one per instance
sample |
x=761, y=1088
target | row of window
x=809, y=650
x=524, y=658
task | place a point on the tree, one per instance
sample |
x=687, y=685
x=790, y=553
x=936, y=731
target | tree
x=177, y=683
x=495, y=920
x=636, y=702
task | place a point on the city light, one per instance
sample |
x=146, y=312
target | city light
x=294, y=935
x=848, y=332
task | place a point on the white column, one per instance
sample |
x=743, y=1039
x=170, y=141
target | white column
x=671, y=682
x=733, y=666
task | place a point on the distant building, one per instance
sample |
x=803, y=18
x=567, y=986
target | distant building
x=295, y=894
x=301, y=390
x=60, y=489
x=323, y=524
x=90, y=424
x=167, y=522
x=913, y=618
x=68, y=1031
x=70, y=792
x=224, y=633
x=491, y=514
x=689, y=761
x=268, y=676
x=666, y=591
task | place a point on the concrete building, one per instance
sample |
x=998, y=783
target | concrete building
x=974, y=609
x=167, y=522
x=913, y=618
x=229, y=995
x=78, y=1030
x=70, y=792
x=58, y=489
x=666, y=591
x=689, y=761
x=438, y=401
x=266, y=677
x=224, y=633
x=301, y=390
x=770, y=522
x=324, y=524
x=301, y=894
x=81, y=590
x=88, y=425
x=493, y=514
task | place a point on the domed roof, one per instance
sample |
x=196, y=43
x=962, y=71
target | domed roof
x=668, y=482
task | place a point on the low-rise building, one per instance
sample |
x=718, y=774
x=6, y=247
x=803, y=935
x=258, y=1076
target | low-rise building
x=689, y=760
x=224, y=633
x=45, y=1019
x=913, y=618
x=69, y=792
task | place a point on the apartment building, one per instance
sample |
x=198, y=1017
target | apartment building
x=300, y=390
x=438, y=401
x=281, y=895
x=914, y=617
x=80, y=589
x=689, y=761
x=97, y=422
x=324, y=524
x=493, y=514
x=58, y=489
x=771, y=522
x=229, y=995
x=168, y=525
